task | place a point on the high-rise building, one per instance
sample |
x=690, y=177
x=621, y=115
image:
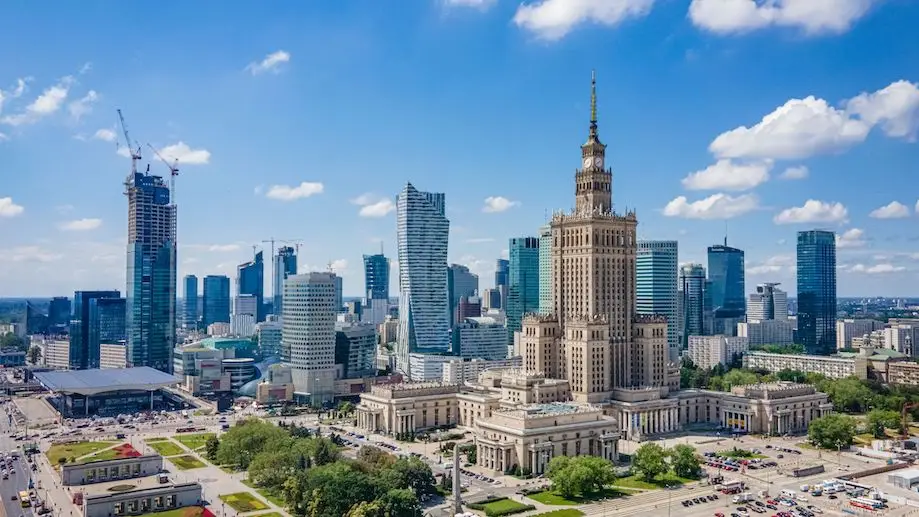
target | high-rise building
x=285, y=264
x=656, y=284
x=376, y=288
x=502, y=275
x=468, y=307
x=339, y=294
x=216, y=300
x=460, y=283
x=545, y=270
x=151, y=272
x=59, y=311
x=817, y=291
x=491, y=299
x=523, y=281
x=424, y=305
x=847, y=329
x=692, y=284
x=726, y=277
x=768, y=303
x=355, y=349
x=250, y=279
x=308, y=334
x=92, y=323
x=190, y=302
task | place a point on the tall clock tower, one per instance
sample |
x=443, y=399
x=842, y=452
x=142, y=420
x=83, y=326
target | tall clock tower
x=594, y=181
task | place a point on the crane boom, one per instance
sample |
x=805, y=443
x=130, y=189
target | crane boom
x=135, y=154
x=173, y=171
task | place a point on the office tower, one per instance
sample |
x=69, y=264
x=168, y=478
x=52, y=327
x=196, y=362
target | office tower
x=84, y=344
x=656, y=283
x=726, y=275
x=768, y=303
x=339, y=298
x=468, y=307
x=285, y=264
x=817, y=291
x=151, y=272
x=847, y=329
x=269, y=337
x=355, y=350
x=692, y=284
x=37, y=321
x=376, y=288
x=480, y=338
x=59, y=311
x=190, y=301
x=545, y=270
x=424, y=314
x=502, y=272
x=308, y=334
x=107, y=326
x=523, y=281
x=216, y=300
x=460, y=283
x=250, y=279
x=491, y=299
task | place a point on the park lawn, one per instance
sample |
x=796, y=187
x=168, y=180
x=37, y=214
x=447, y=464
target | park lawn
x=186, y=462
x=664, y=480
x=264, y=492
x=503, y=506
x=243, y=502
x=551, y=498
x=864, y=439
x=165, y=447
x=567, y=512
x=194, y=441
x=75, y=450
x=188, y=511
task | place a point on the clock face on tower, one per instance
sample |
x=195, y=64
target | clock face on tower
x=587, y=162
x=598, y=161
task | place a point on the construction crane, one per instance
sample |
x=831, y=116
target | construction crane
x=173, y=171
x=296, y=243
x=904, y=419
x=135, y=154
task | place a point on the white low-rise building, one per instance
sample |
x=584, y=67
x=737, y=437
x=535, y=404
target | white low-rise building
x=767, y=332
x=708, y=351
x=459, y=371
x=833, y=367
x=113, y=355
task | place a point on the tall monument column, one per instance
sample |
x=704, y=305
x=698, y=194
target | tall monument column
x=457, y=487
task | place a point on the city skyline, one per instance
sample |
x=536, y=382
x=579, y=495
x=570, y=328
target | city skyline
x=73, y=238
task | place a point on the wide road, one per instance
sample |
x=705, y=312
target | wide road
x=20, y=479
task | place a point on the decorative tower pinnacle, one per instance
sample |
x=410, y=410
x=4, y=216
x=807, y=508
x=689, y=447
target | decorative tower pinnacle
x=593, y=106
x=593, y=189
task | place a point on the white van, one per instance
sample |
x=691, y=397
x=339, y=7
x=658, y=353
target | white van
x=788, y=494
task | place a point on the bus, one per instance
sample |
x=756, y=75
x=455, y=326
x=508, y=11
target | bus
x=732, y=487
x=866, y=503
x=24, y=499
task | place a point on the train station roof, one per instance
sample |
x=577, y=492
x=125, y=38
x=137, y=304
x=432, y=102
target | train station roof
x=96, y=381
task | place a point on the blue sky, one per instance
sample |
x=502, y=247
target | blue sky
x=303, y=120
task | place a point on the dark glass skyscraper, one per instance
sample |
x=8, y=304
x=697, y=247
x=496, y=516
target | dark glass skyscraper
x=502, y=274
x=727, y=296
x=151, y=272
x=88, y=313
x=523, y=280
x=190, y=297
x=216, y=300
x=461, y=283
x=817, y=291
x=285, y=264
x=250, y=279
x=376, y=277
x=59, y=311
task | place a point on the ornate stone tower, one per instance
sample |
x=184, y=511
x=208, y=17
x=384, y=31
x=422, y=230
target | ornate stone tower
x=594, y=181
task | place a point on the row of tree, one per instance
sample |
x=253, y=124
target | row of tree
x=651, y=460
x=313, y=479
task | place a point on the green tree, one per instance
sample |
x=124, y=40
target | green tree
x=271, y=468
x=650, y=461
x=247, y=439
x=210, y=447
x=10, y=340
x=848, y=395
x=375, y=457
x=832, y=431
x=791, y=375
x=368, y=509
x=685, y=461
x=34, y=354
x=400, y=502
x=600, y=472
x=411, y=473
x=333, y=489
x=738, y=378
x=346, y=407
x=881, y=419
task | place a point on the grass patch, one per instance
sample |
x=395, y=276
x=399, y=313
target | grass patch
x=188, y=511
x=229, y=469
x=165, y=447
x=741, y=454
x=186, y=462
x=267, y=494
x=864, y=439
x=551, y=498
x=203, y=412
x=243, y=502
x=75, y=450
x=194, y=441
x=662, y=481
x=567, y=512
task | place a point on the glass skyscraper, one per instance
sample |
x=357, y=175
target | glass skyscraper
x=502, y=267
x=692, y=285
x=546, y=299
x=523, y=281
x=151, y=272
x=285, y=264
x=460, y=283
x=656, y=266
x=376, y=277
x=726, y=277
x=250, y=279
x=216, y=300
x=190, y=298
x=422, y=234
x=92, y=320
x=817, y=291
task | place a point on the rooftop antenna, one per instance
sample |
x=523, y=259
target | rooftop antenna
x=725, y=233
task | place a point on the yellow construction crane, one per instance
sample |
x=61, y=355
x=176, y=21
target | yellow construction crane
x=135, y=154
x=173, y=172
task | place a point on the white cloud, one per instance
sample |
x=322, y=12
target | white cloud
x=773, y=265
x=716, y=206
x=185, y=154
x=812, y=16
x=48, y=103
x=877, y=269
x=478, y=4
x=106, y=135
x=728, y=175
x=813, y=211
x=916, y=208
x=496, y=204
x=852, y=238
x=795, y=173
x=29, y=254
x=81, y=225
x=84, y=105
x=801, y=128
x=339, y=265
x=373, y=205
x=8, y=208
x=271, y=63
x=479, y=240
x=892, y=210
x=553, y=19
x=17, y=92
x=288, y=193
x=213, y=248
